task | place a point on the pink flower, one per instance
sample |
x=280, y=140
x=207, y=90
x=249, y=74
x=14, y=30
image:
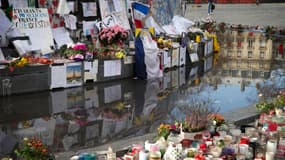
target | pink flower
x=80, y=46
x=173, y=127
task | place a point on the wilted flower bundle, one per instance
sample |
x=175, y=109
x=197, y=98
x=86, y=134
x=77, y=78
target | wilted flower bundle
x=113, y=35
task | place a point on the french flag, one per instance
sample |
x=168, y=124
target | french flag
x=140, y=11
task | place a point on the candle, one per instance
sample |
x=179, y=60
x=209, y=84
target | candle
x=269, y=156
x=203, y=147
x=148, y=145
x=243, y=149
x=143, y=155
x=271, y=146
x=155, y=156
x=198, y=38
x=209, y=143
x=74, y=158
x=244, y=140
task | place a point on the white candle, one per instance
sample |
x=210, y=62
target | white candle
x=271, y=146
x=243, y=149
x=269, y=156
x=143, y=155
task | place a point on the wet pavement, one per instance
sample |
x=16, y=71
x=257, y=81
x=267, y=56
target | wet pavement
x=119, y=113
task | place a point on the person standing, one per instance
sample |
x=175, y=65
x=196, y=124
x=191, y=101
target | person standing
x=210, y=5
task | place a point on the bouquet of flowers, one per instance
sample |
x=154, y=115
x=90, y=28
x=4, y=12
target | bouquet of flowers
x=74, y=52
x=33, y=149
x=23, y=61
x=19, y=62
x=113, y=35
x=164, y=130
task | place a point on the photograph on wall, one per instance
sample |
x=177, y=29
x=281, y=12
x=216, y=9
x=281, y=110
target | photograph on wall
x=89, y=9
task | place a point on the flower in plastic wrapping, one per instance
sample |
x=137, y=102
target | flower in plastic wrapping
x=79, y=46
x=77, y=57
x=120, y=54
x=111, y=35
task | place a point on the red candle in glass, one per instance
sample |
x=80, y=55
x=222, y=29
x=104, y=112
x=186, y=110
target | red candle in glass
x=244, y=140
x=203, y=147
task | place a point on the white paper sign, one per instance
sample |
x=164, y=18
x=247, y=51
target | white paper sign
x=194, y=57
x=58, y=76
x=116, y=8
x=62, y=8
x=112, y=68
x=61, y=36
x=35, y=23
x=22, y=46
x=18, y=3
x=112, y=93
x=89, y=9
x=129, y=60
x=88, y=26
x=71, y=6
x=117, y=5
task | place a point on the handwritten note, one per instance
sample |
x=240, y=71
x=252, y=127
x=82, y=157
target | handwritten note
x=112, y=68
x=35, y=23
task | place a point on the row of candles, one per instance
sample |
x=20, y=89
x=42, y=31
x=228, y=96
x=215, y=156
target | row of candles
x=250, y=145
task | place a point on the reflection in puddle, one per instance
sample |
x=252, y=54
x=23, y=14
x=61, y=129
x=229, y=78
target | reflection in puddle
x=95, y=114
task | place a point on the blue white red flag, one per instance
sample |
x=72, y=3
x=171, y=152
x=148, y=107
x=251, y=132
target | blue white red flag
x=140, y=11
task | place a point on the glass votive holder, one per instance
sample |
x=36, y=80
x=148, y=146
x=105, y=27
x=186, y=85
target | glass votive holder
x=243, y=149
x=240, y=157
x=235, y=133
x=249, y=131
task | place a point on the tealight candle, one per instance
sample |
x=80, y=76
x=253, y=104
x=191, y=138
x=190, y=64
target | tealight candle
x=243, y=149
x=271, y=146
x=143, y=155
x=244, y=140
x=203, y=146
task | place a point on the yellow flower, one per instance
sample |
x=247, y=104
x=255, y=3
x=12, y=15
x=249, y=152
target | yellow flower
x=120, y=54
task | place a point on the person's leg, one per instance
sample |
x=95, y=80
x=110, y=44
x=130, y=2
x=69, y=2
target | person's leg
x=209, y=8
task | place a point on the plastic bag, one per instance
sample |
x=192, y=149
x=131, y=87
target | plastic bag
x=151, y=58
x=181, y=24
